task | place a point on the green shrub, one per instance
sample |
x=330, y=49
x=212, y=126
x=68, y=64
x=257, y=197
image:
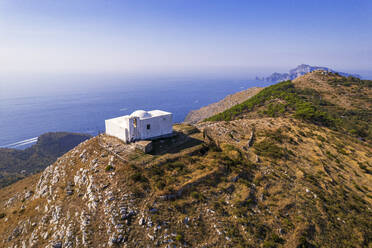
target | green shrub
x=267, y=148
x=307, y=111
x=177, y=165
x=138, y=177
x=269, y=244
x=109, y=168
x=179, y=237
x=196, y=195
x=2, y=215
x=274, y=110
x=303, y=243
x=160, y=185
x=274, y=237
x=277, y=135
x=364, y=168
x=321, y=138
x=302, y=133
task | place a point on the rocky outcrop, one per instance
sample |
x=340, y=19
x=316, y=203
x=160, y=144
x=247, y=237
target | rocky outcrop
x=70, y=220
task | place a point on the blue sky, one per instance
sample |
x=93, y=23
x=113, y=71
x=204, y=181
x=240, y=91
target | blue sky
x=182, y=36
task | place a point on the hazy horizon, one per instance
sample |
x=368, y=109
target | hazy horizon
x=176, y=38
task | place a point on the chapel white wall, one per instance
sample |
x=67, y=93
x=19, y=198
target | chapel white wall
x=120, y=131
x=159, y=125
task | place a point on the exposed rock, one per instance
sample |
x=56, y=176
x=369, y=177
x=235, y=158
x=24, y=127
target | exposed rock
x=28, y=194
x=250, y=140
x=57, y=245
x=141, y=221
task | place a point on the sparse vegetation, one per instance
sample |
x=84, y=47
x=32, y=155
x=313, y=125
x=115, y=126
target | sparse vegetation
x=138, y=177
x=285, y=99
x=284, y=91
x=196, y=195
x=298, y=184
x=268, y=148
x=179, y=237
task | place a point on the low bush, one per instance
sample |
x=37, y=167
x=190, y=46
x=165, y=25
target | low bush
x=269, y=244
x=275, y=109
x=138, y=177
x=364, y=168
x=267, y=148
x=179, y=237
x=160, y=185
x=196, y=195
x=277, y=135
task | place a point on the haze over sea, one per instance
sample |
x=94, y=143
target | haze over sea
x=82, y=105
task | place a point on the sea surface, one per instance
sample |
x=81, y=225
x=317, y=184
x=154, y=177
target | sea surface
x=23, y=118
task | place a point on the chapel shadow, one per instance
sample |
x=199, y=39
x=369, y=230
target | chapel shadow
x=178, y=142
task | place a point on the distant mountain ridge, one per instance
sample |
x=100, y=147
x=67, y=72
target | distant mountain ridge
x=299, y=71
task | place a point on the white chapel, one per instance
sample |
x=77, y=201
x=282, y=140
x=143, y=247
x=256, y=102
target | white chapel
x=140, y=125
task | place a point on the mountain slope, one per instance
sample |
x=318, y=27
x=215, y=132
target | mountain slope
x=16, y=164
x=343, y=104
x=299, y=71
x=292, y=187
x=197, y=115
x=265, y=178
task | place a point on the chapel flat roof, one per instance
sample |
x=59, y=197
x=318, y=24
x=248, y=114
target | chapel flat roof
x=119, y=119
x=158, y=113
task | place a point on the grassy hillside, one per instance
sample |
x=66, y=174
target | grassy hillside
x=16, y=164
x=285, y=170
x=312, y=105
x=297, y=185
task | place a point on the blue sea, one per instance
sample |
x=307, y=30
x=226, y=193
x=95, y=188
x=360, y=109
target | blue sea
x=83, y=109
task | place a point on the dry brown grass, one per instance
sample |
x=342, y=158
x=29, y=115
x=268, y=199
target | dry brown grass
x=248, y=201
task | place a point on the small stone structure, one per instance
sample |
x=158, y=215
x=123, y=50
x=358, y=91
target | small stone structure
x=140, y=125
x=144, y=145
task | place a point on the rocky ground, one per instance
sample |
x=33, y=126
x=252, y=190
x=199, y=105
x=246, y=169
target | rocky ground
x=216, y=191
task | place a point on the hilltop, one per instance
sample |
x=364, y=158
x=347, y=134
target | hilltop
x=16, y=164
x=281, y=169
x=299, y=71
x=323, y=98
